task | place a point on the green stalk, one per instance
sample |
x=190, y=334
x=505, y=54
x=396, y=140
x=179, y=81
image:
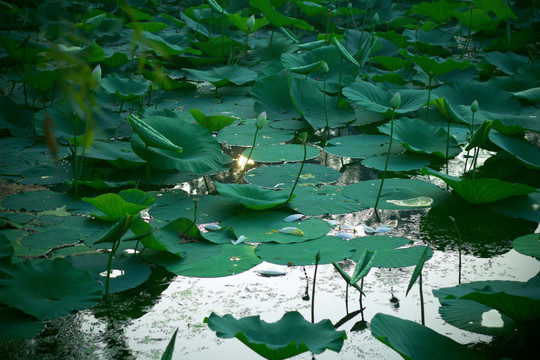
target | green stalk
x=422, y=313
x=387, y=159
x=147, y=169
x=249, y=156
x=114, y=248
x=472, y=134
x=428, y=95
x=299, y=173
x=325, y=110
x=459, y=248
x=317, y=259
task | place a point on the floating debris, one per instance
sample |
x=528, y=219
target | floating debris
x=294, y=217
x=271, y=272
x=240, y=240
x=291, y=230
x=212, y=227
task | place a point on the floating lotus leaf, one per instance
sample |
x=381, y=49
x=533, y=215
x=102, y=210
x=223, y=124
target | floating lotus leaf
x=331, y=249
x=481, y=191
x=388, y=254
x=127, y=272
x=48, y=289
x=436, y=66
x=284, y=175
x=271, y=94
x=525, y=152
x=289, y=336
x=310, y=102
x=211, y=122
x=361, y=146
x=396, y=162
x=207, y=260
x=36, y=200
x=508, y=62
x=323, y=200
x=281, y=153
x=414, y=341
x=365, y=192
x=263, y=226
x=201, y=152
x=6, y=250
x=220, y=76
x=126, y=89
x=377, y=98
x=528, y=245
x=210, y=209
x=18, y=121
x=252, y=196
x=14, y=324
x=421, y=137
x=242, y=134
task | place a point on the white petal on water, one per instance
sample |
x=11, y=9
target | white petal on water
x=383, y=229
x=345, y=236
x=346, y=227
x=368, y=229
x=332, y=223
x=240, y=240
x=291, y=230
x=413, y=202
x=492, y=319
x=271, y=272
x=212, y=227
x=114, y=273
x=293, y=217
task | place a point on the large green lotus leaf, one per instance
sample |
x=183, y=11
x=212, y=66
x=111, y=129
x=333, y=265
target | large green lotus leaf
x=284, y=175
x=126, y=89
x=201, y=152
x=347, y=72
x=165, y=46
x=476, y=20
x=289, y=336
x=532, y=95
x=316, y=107
x=68, y=230
x=211, y=122
x=440, y=11
x=388, y=254
x=361, y=146
x=508, y=62
x=377, y=98
x=396, y=162
x=224, y=75
x=323, y=200
x=365, y=192
x=414, y=341
x=515, y=125
x=264, y=226
x=525, y=152
x=421, y=137
x=275, y=18
x=17, y=120
x=271, y=94
x=243, y=132
x=252, y=196
x=436, y=67
x=6, y=250
x=118, y=153
x=48, y=289
x=210, y=209
x=36, y=200
x=114, y=206
x=207, y=260
x=14, y=324
x=281, y=153
x=330, y=248
x=127, y=272
x=528, y=245
x=476, y=317
x=481, y=191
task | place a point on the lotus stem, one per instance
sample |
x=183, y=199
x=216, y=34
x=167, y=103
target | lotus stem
x=147, y=169
x=422, y=313
x=304, y=140
x=114, y=248
x=386, y=163
x=249, y=156
x=429, y=95
x=317, y=259
x=459, y=248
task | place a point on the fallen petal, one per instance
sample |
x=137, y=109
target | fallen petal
x=294, y=217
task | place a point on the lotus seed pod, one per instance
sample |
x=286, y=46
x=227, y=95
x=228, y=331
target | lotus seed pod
x=250, y=23
x=474, y=106
x=395, y=102
x=261, y=120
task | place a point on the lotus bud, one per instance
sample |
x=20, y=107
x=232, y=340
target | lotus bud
x=303, y=137
x=395, y=102
x=474, y=106
x=196, y=202
x=261, y=120
x=318, y=257
x=325, y=67
x=349, y=6
x=452, y=220
x=376, y=18
x=96, y=74
x=250, y=23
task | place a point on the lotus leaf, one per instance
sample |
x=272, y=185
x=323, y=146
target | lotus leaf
x=440, y=11
x=211, y=122
x=275, y=18
x=435, y=66
x=396, y=162
x=481, y=191
x=528, y=245
x=414, y=341
x=361, y=146
x=210, y=209
x=36, y=200
x=126, y=89
x=201, y=152
x=14, y=324
x=263, y=226
x=252, y=196
x=18, y=121
x=114, y=206
x=242, y=134
x=48, y=289
x=525, y=152
x=220, y=76
x=365, y=192
x=323, y=200
x=388, y=254
x=284, y=175
x=271, y=94
x=281, y=153
x=421, y=137
x=330, y=248
x=289, y=336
